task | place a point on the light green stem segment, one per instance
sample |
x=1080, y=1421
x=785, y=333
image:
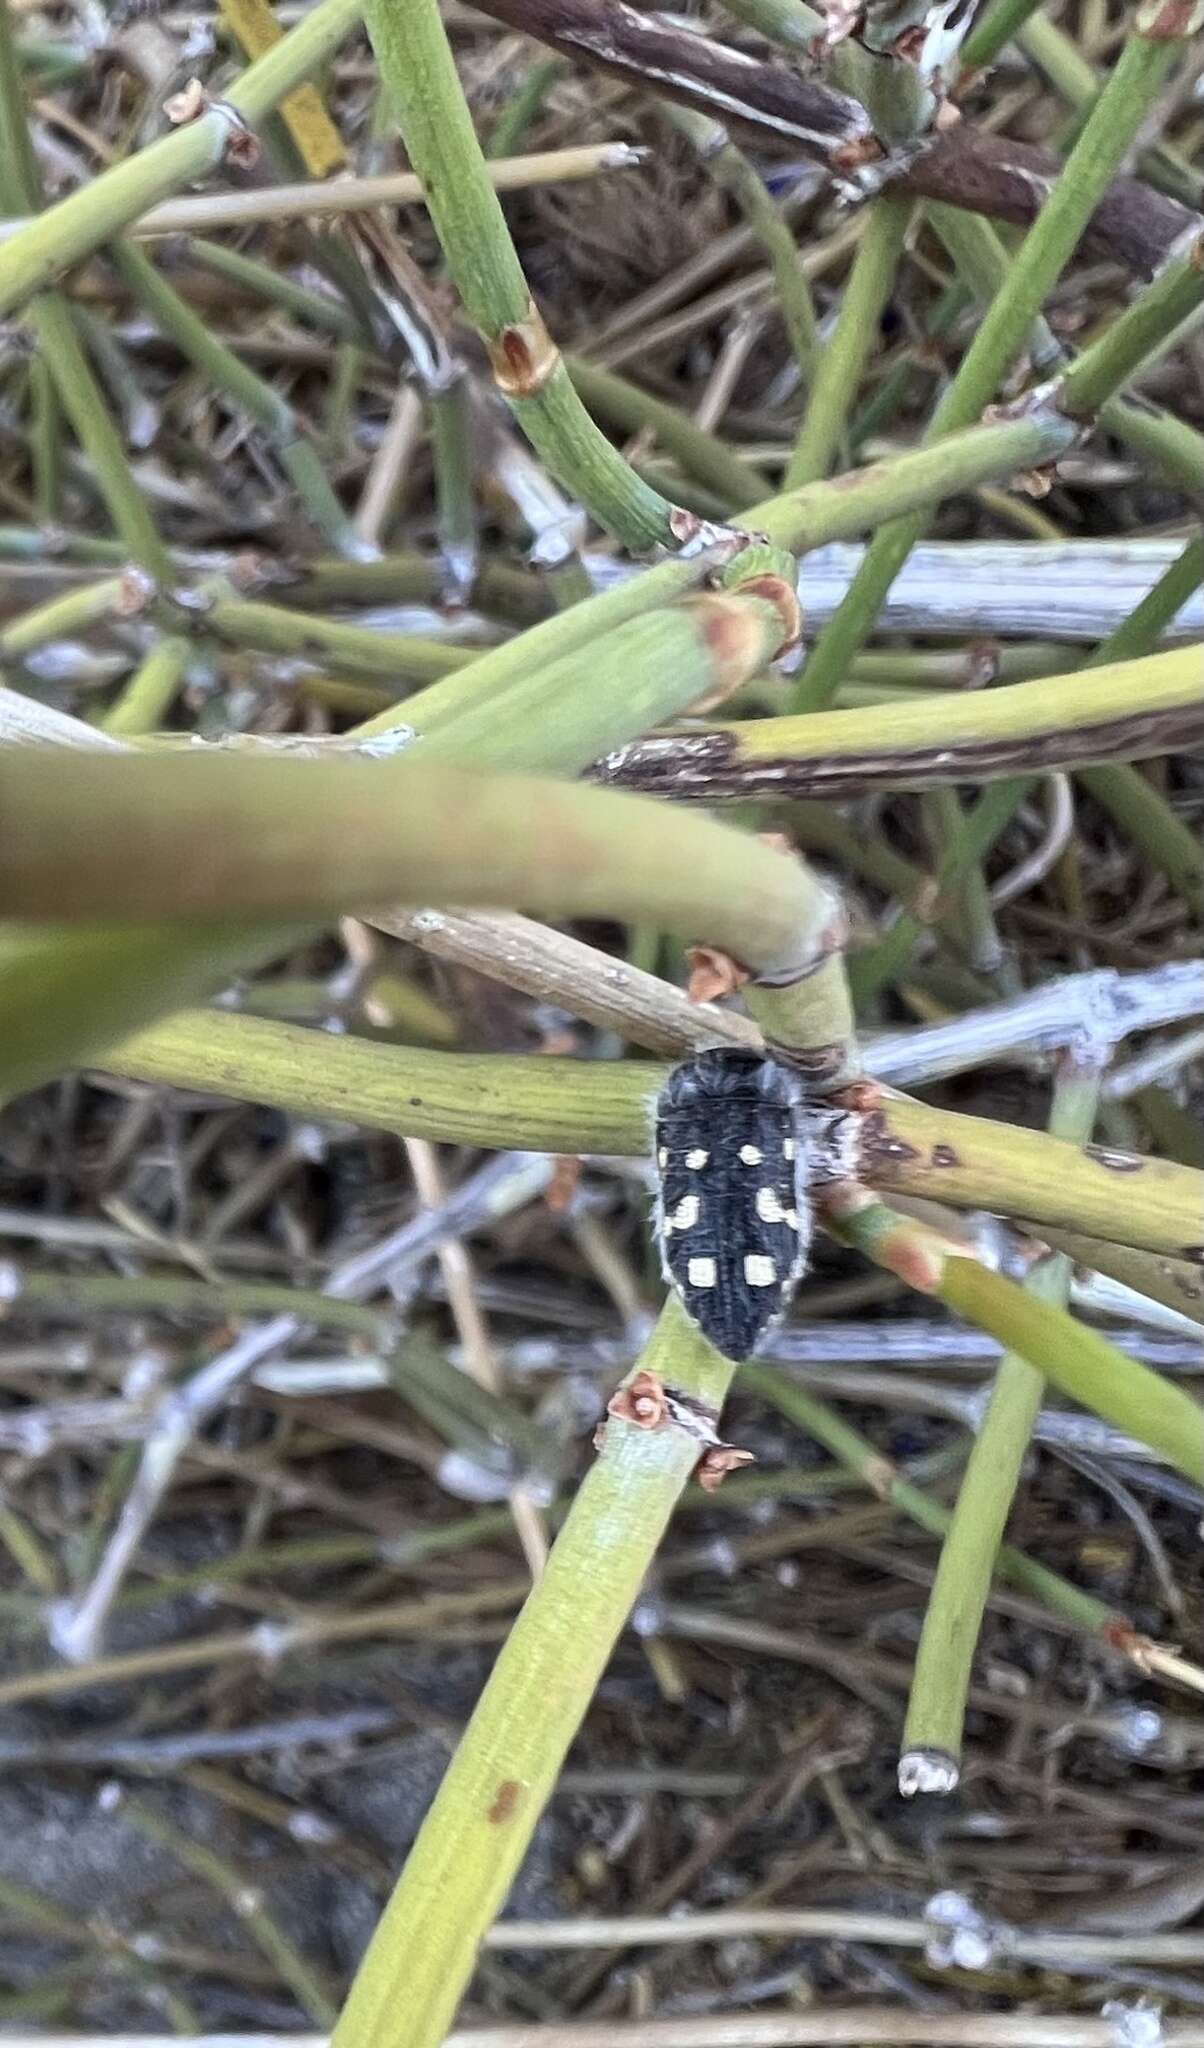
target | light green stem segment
x=1153, y=1410
x=1048, y=246
x=602, y=1106
x=420, y=74
x=139, y=836
x=800, y=1405
x=971, y=1551
x=42, y=250
x=848, y=349
x=473, y=1840
x=731, y=169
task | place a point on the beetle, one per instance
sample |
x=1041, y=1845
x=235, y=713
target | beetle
x=734, y=1215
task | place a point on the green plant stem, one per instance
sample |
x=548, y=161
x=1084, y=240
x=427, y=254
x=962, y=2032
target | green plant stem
x=1081, y=1610
x=58, y=1005
x=473, y=1840
x=732, y=170
x=883, y=963
x=701, y=454
x=1048, y=246
x=45, y=442
x=1059, y=722
x=1103, y=368
x=420, y=74
x=1176, y=1283
x=506, y=135
x=1137, y=807
x=449, y=416
x=82, y=223
x=797, y=520
x=245, y=1902
x=971, y=1550
x=147, y=697
x=359, y=650
x=1128, y=796
x=271, y=413
x=148, y=836
x=1153, y=1410
x=53, y=322
x=848, y=349
x=73, y=611
x=568, y=1106
x=996, y=26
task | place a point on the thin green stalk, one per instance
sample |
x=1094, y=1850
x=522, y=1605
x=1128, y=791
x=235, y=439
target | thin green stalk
x=1136, y=806
x=146, y=699
x=506, y=135
x=359, y=650
x=883, y=1478
x=1128, y=796
x=449, y=413
x=420, y=74
x=1107, y=364
x=506, y=1764
x=272, y=413
x=245, y=1901
x=1153, y=1410
x=701, y=454
x=86, y=1295
x=1176, y=1283
x=313, y=308
x=53, y=321
x=1047, y=46
x=45, y=442
x=996, y=26
x=972, y=916
x=882, y=964
x=73, y=611
x=851, y=343
x=1107, y=134
x=65, y=233
x=732, y=170
x=798, y=520
x=578, y=1107
x=970, y=1553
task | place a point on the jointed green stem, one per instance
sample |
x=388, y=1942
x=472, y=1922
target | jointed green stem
x=1050, y=242
x=971, y=1550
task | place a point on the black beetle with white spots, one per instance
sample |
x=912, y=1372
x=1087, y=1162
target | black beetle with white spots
x=734, y=1212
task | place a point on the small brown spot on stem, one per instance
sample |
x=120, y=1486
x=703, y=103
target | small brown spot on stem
x=505, y=1803
x=944, y=1155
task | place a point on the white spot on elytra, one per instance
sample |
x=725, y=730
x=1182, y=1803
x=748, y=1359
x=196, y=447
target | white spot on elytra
x=752, y=1155
x=662, y=1158
x=769, y=1208
x=685, y=1216
x=790, y=1216
x=701, y=1272
x=697, y=1158
x=788, y=1148
x=759, y=1271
